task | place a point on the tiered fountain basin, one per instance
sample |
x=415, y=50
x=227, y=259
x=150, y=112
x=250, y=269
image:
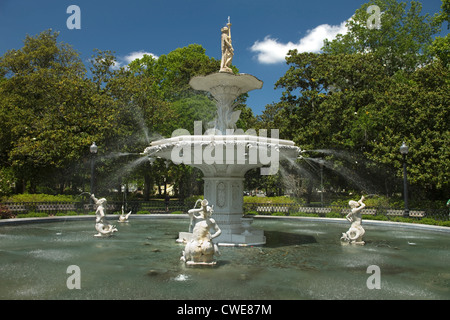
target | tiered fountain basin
x=224, y=160
x=224, y=154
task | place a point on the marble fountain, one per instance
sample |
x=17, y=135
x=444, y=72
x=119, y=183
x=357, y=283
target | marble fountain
x=225, y=153
x=265, y=258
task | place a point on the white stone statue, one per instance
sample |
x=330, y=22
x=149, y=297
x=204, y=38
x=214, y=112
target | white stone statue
x=227, y=49
x=200, y=249
x=355, y=233
x=124, y=217
x=103, y=227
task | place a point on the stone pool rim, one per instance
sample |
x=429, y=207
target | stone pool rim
x=405, y=225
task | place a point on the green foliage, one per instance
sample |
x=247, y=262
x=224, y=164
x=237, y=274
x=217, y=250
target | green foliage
x=401, y=43
x=67, y=213
x=304, y=214
x=6, y=181
x=271, y=200
x=333, y=215
x=5, y=213
x=194, y=108
x=173, y=71
x=25, y=197
x=369, y=91
x=32, y=215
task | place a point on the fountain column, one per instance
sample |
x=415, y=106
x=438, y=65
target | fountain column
x=224, y=182
x=226, y=195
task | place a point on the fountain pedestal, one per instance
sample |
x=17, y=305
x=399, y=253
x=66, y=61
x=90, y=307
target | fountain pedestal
x=227, y=195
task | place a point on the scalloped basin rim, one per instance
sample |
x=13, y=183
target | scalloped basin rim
x=246, y=82
x=223, y=138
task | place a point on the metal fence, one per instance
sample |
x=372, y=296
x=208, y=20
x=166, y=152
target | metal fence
x=10, y=209
x=52, y=208
x=340, y=211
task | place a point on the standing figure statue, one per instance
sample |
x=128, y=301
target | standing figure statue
x=200, y=249
x=355, y=233
x=227, y=49
x=103, y=227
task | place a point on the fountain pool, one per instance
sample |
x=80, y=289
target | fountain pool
x=302, y=259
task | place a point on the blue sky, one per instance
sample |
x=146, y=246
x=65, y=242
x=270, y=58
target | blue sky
x=261, y=29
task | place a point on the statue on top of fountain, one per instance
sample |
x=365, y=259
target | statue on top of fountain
x=227, y=49
x=200, y=249
x=103, y=227
x=355, y=233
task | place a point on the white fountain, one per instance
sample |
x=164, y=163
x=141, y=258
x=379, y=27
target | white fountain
x=224, y=153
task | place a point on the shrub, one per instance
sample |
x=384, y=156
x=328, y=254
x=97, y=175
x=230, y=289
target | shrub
x=275, y=200
x=26, y=197
x=32, y=214
x=67, y=213
x=333, y=214
x=374, y=217
x=304, y=214
x=5, y=213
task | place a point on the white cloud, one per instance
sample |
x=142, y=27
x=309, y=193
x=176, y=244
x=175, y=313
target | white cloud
x=138, y=55
x=270, y=51
x=130, y=57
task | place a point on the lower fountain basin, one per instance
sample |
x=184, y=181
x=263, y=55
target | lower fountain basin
x=224, y=160
x=302, y=259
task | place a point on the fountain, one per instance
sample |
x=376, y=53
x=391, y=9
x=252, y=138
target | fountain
x=224, y=153
x=200, y=249
x=103, y=227
x=302, y=258
x=355, y=233
x=124, y=216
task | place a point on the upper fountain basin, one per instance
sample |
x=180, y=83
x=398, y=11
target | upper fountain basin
x=230, y=154
x=221, y=83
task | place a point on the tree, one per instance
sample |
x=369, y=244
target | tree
x=52, y=113
x=441, y=45
x=355, y=101
x=42, y=102
x=402, y=42
x=172, y=72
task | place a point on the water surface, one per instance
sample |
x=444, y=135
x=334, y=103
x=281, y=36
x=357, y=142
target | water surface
x=301, y=260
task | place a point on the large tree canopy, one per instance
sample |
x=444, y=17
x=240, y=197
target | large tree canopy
x=370, y=90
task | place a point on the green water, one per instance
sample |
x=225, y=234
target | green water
x=301, y=260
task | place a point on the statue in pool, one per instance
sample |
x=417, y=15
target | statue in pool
x=355, y=233
x=124, y=216
x=200, y=249
x=103, y=227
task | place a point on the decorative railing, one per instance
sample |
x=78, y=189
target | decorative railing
x=51, y=208
x=288, y=209
x=10, y=209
